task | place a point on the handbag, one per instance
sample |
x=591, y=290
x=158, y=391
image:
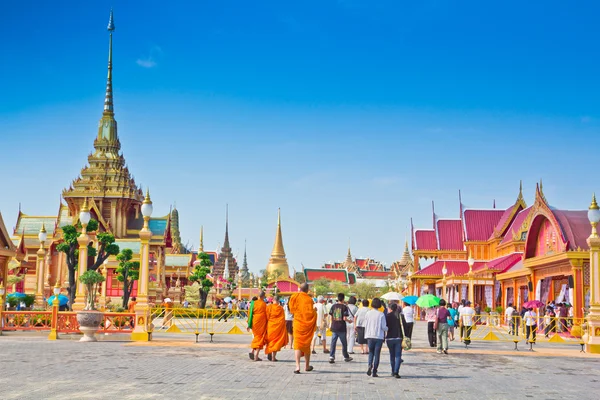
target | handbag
x=406, y=342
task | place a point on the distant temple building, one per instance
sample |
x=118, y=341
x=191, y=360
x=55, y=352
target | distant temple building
x=350, y=271
x=226, y=256
x=520, y=253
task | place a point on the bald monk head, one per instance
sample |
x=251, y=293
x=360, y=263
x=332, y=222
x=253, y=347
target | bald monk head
x=262, y=294
x=304, y=287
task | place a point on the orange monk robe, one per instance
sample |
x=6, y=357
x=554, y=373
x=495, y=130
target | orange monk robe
x=305, y=321
x=258, y=323
x=277, y=335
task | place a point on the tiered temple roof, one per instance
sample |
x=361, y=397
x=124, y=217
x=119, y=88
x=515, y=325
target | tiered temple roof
x=226, y=255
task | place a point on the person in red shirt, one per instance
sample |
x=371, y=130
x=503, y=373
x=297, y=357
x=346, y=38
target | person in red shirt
x=442, y=316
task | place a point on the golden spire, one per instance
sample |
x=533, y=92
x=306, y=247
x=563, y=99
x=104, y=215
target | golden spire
x=277, y=263
x=108, y=98
x=147, y=198
x=43, y=230
x=201, y=248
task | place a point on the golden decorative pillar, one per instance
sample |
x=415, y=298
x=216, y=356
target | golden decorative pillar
x=53, y=335
x=102, y=300
x=593, y=343
x=83, y=240
x=41, y=261
x=140, y=332
x=471, y=275
x=444, y=272
x=239, y=286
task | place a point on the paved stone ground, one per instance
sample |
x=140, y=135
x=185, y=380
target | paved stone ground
x=174, y=367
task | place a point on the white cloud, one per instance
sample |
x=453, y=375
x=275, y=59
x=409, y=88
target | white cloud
x=146, y=63
x=150, y=60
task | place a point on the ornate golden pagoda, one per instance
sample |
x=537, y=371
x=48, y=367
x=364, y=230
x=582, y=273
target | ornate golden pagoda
x=106, y=180
x=278, y=263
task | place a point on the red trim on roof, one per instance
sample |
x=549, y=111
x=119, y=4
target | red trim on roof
x=503, y=264
x=457, y=268
x=425, y=239
x=334, y=275
x=480, y=224
x=450, y=234
x=515, y=226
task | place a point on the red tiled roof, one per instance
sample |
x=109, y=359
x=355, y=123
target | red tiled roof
x=480, y=224
x=457, y=268
x=373, y=267
x=284, y=286
x=375, y=274
x=575, y=227
x=361, y=263
x=450, y=234
x=334, y=274
x=425, y=239
x=504, y=219
x=503, y=264
x=515, y=226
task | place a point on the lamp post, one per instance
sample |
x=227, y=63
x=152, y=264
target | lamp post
x=240, y=286
x=41, y=258
x=471, y=262
x=103, y=287
x=83, y=240
x=410, y=283
x=140, y=332
x=53, y=335
x=593, y=344
x=2, y=291
x=444, y=272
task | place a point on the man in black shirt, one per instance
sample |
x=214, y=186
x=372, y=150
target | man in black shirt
x=339, y=315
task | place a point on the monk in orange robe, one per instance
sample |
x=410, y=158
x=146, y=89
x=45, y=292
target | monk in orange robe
x=277, y=335
x=257, y=322
x=305, y=322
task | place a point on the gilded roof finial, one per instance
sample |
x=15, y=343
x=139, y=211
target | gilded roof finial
x=108, y=98
x=85, y=207
x=43, y=230
x=594, y=205
x=147, y=198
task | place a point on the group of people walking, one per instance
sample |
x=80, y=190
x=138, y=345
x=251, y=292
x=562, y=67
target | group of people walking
x=442, y=321
x=304, y=323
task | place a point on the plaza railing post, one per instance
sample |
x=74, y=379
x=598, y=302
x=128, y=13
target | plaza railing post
x=2, y=291
x=54, y=321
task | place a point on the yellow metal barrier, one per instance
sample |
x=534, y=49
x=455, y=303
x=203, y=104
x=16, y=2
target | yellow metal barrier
x=199, y=321
x=546, y=329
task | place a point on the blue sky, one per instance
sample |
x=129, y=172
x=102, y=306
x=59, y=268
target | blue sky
x=349, y=115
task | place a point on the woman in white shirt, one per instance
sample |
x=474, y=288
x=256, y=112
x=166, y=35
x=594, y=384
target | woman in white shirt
x=530, y=324
x=350, y=331
x=409, y=316
x=375, y=329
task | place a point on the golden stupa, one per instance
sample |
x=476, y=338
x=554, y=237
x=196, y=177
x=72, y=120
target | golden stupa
x=278, y=266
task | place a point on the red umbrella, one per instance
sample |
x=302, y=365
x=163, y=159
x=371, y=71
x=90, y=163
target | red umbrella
x=534, y=304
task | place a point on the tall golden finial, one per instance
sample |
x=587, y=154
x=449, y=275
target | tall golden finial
x=201, y=248
x=43, y=230
x=147, y=198
x=108, y=98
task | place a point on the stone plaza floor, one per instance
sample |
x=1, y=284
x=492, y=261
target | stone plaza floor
x=173, y=366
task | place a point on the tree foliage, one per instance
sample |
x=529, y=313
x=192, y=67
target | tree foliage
x=201, y=270
x=336, y=287
x=70, y=246
x=91, y=280
x=300, y=277
x=128, y=272
x=364, y=290
x=321, y=287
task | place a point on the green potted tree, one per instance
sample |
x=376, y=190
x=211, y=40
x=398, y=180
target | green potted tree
x=200, y=275
x=90, y=319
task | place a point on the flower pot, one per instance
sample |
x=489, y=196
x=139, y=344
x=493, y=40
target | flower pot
x=89, y=323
